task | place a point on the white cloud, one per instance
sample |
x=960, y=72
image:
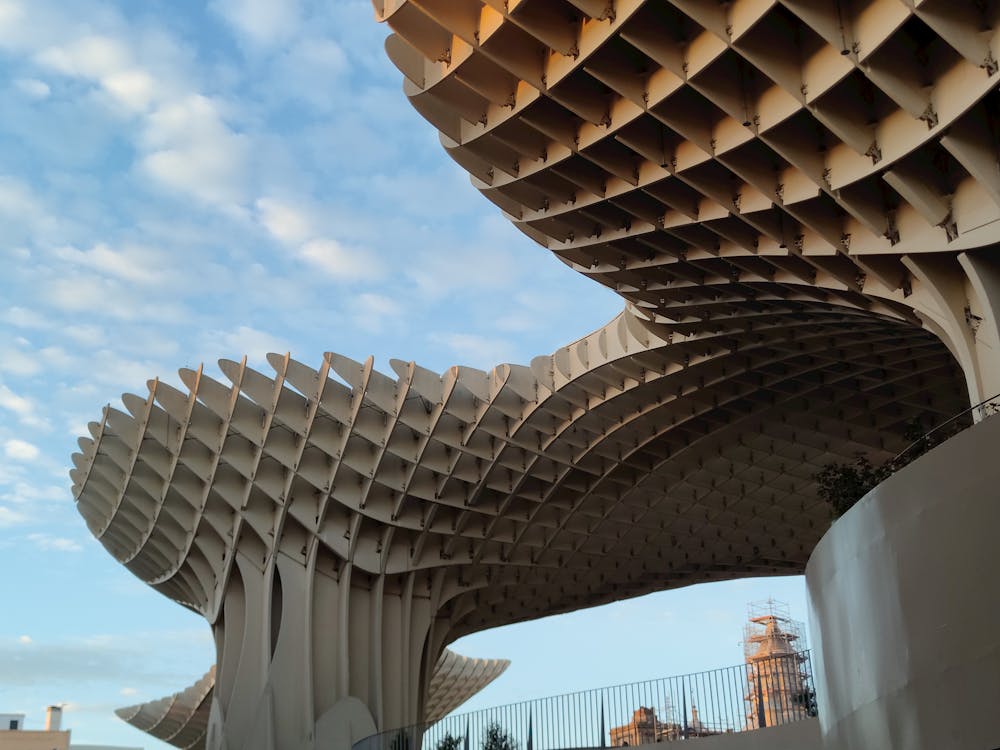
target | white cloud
x=10, y=13
x=192, y=150
x=113, y=370
x=93, y=57
x=261, y=22
x=475, y=350
x=32, y=88
x=322, y=56
x=18, y=404
x=18, y=201
x=134, y=88
x=87, y=335
x=308, y=72
x=80, y=293
x=255, y=344
x=25, y=409
x=16, y=361
x=293, y=226
x=373, y=311
x=23, y=492
x=340, y=262
x=377, y=305
x=109, y=63
x=20, y=450
x=184, y=141
x=18, y=356
x=109, y=296
x=285, y=222
x=134, y=264
x=22, y=317
x=530, y=306
x=25, y=639
x=50, y=543
x=488, y=263
x=127, y=691
x=122, y=660
x=10, y=517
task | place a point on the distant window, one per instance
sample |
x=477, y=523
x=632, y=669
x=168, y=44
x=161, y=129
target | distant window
x=13, y=724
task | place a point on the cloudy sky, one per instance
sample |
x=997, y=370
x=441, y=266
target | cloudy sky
x=183, y=181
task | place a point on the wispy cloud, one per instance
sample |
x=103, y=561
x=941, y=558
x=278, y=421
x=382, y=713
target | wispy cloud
x=10, y=517
x=138, y=265
x=20, y=450
x=71, y=661
x=287, y=223
x=296, y=228
x=341, y=262
x=243, y=340
x=191, y=149
x=261, y=22
x=25, y=408
x=33, y=88
x=50, y=543
x=476, y=350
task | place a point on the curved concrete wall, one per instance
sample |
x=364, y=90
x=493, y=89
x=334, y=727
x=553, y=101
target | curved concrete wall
x=905, y=606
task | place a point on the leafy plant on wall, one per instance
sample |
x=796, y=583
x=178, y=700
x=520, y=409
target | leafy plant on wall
x=842, y=485
x=495, y=738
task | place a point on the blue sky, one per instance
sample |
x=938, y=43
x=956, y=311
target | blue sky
x=184, y=181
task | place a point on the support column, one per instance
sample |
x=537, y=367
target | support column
x=315, y=654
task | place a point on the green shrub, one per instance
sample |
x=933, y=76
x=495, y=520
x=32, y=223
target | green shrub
x=842, y=485
x=495, y=738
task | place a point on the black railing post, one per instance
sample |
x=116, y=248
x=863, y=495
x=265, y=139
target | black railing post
x=602, y=723
x=761, y=714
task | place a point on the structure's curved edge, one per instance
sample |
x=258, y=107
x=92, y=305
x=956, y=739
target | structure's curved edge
x=518, y=469
x=456, y=679
x=181, y=719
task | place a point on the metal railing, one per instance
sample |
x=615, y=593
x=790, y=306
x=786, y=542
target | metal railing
x=938, y=434
x=766, y=692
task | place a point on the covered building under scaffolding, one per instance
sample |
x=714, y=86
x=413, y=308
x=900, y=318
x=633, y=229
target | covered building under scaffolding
x=778, y=676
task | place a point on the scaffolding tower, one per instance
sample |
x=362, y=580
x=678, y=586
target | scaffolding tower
x=778, y=679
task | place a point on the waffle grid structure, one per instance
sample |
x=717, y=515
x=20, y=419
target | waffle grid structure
x=339, y=527
x=709, y=159
x=798, y=202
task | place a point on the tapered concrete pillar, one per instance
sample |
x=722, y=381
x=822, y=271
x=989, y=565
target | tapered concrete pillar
x=318, y=655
